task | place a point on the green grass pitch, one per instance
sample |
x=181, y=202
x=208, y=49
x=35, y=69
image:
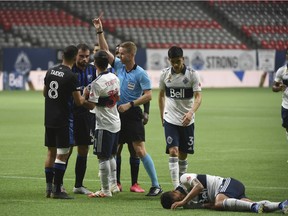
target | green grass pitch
x=238, y=133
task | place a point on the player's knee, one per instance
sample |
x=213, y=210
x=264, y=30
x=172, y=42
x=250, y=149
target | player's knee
x=173, y=152
x=62, y=151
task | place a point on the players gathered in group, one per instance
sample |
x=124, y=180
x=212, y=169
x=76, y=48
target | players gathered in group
x=99, y=104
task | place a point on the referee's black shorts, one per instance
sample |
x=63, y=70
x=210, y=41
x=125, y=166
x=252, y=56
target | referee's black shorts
x=132, y=128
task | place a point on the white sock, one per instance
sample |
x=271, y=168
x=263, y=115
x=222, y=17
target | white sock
x=113, y=170
x=237, y=205
x=174, y=170
x=287, y=135
x=183, y=166
x=104, y=170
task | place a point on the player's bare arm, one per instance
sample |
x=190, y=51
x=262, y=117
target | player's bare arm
x=196, y=104
x=197, y=188
x=161, y=103
x=146, y=97
x=101, y=38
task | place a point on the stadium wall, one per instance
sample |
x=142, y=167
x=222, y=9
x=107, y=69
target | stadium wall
x=217, y=68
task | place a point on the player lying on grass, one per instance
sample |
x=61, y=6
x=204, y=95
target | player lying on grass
x=214, y=192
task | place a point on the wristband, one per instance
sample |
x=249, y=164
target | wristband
x=99, y=32
x=132, y=103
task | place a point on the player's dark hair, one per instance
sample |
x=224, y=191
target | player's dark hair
x=175, y=52
x=70, y=52
x=101, y=59
x=167, y=200
x=83, y=47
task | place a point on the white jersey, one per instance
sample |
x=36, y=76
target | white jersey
x=179, y=89
x=282, y=76
x=211, y=186
x=106, y=86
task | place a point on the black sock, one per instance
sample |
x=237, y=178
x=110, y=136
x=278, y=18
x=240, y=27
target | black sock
x=80, y=170
x=49, y=174
x=134, y=166
x=118, y=167
x=59, y=170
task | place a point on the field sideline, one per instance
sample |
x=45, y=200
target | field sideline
x=238, y=133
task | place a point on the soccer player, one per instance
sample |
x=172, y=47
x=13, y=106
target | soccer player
x=217, y=193
x=82, y=118
x=104, y=94
x=179, y=99
x=280, y=85
x=59, y=85
x=134, y=81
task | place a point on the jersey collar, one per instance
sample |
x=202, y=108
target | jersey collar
x=183, y=70
x=134, y=67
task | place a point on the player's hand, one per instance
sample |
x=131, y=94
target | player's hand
x=97, y=23
x=145, y=118
x=124, y=107
x=176, y=204
x=187, y=119
x=282, y=87
x=86, y=93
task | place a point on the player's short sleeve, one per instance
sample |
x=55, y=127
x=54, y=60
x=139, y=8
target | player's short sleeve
x=187, y=178
x=278, y=75
x=145, y=81
x=196, y=82
x=74, y=82
x=161, y=80
x=94, y=92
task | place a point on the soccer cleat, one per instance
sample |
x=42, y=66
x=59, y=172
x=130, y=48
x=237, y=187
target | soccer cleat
x=136, y=188
x=284, y=207
x=119, y=186
x=60, y=195
x=48, y=193
x=257, y=208
x=114, y=189
x=99, y=194
x=154, y=191
x=81, y=190
x=63, y=189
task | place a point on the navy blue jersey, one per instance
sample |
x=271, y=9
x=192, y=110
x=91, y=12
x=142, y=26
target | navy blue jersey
x=59, y=82
x=85, y=77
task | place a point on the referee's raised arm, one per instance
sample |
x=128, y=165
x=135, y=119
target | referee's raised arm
x=101, y=38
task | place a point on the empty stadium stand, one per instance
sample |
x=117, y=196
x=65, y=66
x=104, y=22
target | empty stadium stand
x=150, y=24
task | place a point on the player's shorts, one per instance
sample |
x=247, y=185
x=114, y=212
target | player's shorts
x=57, y=137
x=232, y=188
x=182, y=137
x=82, y=128
x=132, y=128
x=105, y=143
x=284, y=115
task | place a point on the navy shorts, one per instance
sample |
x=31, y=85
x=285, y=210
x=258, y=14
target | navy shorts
x=82, y=128
x=182, y=137
x=232, y=188
x=132, y=128
x=105, y=143
x=284, y=115
x=57, y=137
